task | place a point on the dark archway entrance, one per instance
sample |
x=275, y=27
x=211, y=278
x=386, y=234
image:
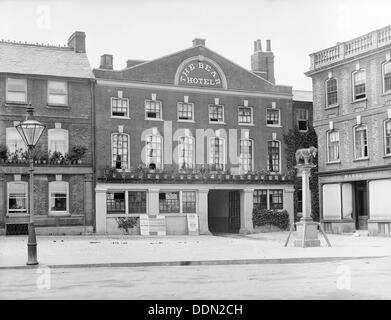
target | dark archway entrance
x=224, y=211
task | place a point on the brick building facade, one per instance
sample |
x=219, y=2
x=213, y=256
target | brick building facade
x=190, y=135
x=58, y=82
x=352, y=118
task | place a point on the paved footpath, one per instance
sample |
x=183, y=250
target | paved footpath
x=94, y=250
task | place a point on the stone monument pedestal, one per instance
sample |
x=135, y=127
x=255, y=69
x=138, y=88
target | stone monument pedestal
x=306, y=228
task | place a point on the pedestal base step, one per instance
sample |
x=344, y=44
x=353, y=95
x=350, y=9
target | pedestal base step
x=307, y=243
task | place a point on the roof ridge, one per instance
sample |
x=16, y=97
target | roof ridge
x=42, y=45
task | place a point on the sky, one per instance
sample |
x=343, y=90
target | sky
x=149, y=29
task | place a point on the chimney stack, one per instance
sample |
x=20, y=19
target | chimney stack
x=198, y=42
x=262, y=63
x=77, y=41
x=106, y=62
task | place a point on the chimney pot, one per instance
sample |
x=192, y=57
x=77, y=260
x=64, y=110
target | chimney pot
x=257, y=45
x=106, y=62
x=268, y=45
x=198, y=42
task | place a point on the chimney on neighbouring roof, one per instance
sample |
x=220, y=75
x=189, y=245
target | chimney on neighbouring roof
x=106, y=62
x=198, y=42
x=262, y=63
x=77, y=41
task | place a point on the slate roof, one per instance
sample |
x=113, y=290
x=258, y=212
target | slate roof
x=43, y=60
x=302, y=95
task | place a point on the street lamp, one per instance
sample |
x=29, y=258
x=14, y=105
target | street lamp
x=31, y=131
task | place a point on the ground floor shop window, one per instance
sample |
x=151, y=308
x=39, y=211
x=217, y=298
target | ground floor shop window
x=275, y=199
x=125, y=202
x=58, y=196
x=177, y=202
x=260, y=199
x=268, y=199
x=17, y=197
x=137, y=201
x=115, y=202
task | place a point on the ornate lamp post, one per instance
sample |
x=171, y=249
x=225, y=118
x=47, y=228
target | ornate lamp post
x=31, y=131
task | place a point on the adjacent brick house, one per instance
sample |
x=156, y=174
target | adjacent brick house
x=58, y=82
x=352, y=118
x=190, y=133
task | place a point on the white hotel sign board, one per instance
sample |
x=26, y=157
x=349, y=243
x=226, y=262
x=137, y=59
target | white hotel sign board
x=192, y=224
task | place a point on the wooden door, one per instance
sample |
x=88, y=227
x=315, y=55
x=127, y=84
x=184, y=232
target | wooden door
x=234, y=211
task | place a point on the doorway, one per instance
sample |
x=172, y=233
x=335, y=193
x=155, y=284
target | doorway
x=224, y=211
x=361, y=205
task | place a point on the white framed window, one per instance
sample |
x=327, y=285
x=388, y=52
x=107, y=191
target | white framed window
x=185, y=111
x=17, y=197
x=217, y=153
x=333, y=146
x=154, y=151
x=274, y=156
x=331, y=92
x=16, y=90
x=216, y=113
x=245, y=115
x=153, y=110
x=58, y=197
x=273, y=117
x=58, y=141
x=120, y=150
x=359, y=84
x=246, y=158
x=119, y=107
x=302, y=119
x=360, y=142
x=386, y=73
x=126, y=202
x=186, y=150
x=14, y=142
x=387, y=137
x=58, y=93
x=177, y=201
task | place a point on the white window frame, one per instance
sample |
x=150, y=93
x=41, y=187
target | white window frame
x=180, y=202
x=328, y=145
x=50, y=138
x=126, y=213
x=18, y=211
x=353, y=85
x=279, y=156
x=112, y=149
x=14, y=131
x=251, y=123
x=66, y=95
x=252, y=155
x=161, y=109
x=162, y=150
x=58, y=213
x=326, y=97
x=279, y=117
x=224, y=152
x=192, y=153
x=192, y=112
x=223, y=113
x=7, y=85
x=382, y=73
x=354, y=142
x=301, y=119
x=127, y=116
x=385, y=138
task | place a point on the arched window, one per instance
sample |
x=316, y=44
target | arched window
x=387, y=137
x=185, y=152
x=154, y=151
x=246, y=155
x=120, y=150
x=273, y=156
x=333, y=146
x=331, y=92
x=58, y=140
x=360, y=142
x=58, y=197
x=359, y=84
x=386, y=76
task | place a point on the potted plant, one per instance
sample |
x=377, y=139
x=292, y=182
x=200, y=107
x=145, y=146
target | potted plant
x=56, y=157
x=76, y=154
x=3, y=153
